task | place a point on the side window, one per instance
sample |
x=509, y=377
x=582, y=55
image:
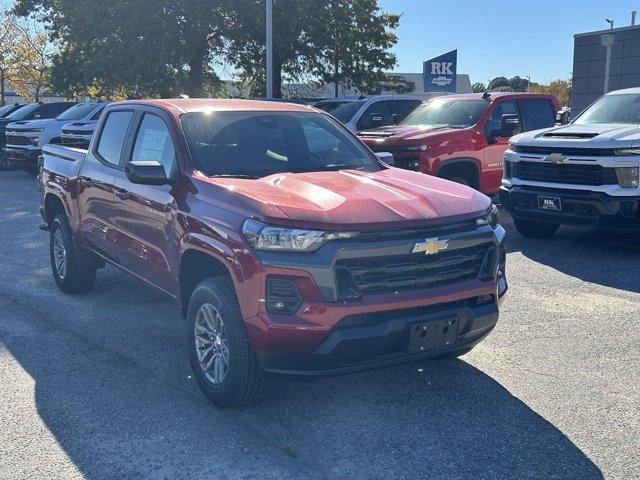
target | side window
x=376, y=115
x=508, y=107
x=536, y=113
x=153, y=143
x=402, y=108
x=112, y=137
x=96, y=115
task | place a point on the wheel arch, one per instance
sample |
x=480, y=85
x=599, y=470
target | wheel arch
x=468, y=167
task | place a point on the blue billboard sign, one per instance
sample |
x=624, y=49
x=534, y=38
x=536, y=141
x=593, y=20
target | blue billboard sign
x=439, y=73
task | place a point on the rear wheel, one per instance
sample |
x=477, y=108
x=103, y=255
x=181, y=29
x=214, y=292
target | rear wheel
x=74, y=268
x=535, y=229
x=222, y=357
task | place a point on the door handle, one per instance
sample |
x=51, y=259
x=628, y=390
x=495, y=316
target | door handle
x=122, y=194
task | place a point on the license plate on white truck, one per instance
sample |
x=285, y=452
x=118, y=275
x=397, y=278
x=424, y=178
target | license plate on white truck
x=549, y=203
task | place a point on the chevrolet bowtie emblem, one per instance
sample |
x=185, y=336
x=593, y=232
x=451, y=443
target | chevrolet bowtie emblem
x=555, y=158
x=430, y=246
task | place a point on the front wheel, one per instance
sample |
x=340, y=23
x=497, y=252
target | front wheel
x=74, y=269
x=222, y=357
x=534, y=229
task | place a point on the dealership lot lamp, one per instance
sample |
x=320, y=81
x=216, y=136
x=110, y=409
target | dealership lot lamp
x=607, y=41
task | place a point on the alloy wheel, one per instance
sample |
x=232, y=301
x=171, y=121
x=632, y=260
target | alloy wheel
x=211, y=343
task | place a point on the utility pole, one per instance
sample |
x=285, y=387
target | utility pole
x=528, y=83
x=269, y=35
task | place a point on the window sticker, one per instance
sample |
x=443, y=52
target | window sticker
x=152, y=144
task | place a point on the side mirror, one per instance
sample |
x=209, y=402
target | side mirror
x=509, y=125
x=562, y=117
x=376, y=119
x=146, y=173
x=386, y=157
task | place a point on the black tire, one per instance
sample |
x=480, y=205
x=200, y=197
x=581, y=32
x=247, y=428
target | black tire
x=459, y=180
x=453, y=355
x=533, y=229
x=244, y=380
x=79, y=274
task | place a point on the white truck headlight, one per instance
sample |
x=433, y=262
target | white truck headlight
x=628, y=177
x=272, y=238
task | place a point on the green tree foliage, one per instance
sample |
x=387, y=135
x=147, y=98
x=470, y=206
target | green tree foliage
x=499, y=82
x=559, y=88
x=353, y=43
x=129, y=47
x=479, y=87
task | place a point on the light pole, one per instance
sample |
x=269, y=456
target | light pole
x=528, y=83
x=610, y=22
x=269, y=35
x=607, y=41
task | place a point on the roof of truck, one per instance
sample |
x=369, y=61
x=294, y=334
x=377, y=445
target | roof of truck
x=182, y=105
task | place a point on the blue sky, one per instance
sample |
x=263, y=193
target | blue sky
x=495, y=37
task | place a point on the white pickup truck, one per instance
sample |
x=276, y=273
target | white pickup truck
x=583, y=173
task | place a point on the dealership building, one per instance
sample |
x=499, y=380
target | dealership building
x=589, y=63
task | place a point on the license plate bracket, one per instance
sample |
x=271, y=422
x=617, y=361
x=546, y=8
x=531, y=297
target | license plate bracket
x=425, y=336
x=549, y=203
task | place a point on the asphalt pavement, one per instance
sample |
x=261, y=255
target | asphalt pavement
x=98, y=385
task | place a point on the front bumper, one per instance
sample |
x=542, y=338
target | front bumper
x=24, y=157
x=579, y=207
x=362, y=342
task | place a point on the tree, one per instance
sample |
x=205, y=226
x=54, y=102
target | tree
x=518, y=84
x=8, y=44
x=31, y=72
x=353, y=40
x=559, y=88
x=130, y=48
x=499, y=82
x=479, y=87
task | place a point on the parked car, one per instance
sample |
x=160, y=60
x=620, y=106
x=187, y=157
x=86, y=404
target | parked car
x=31, y=111
x=78, y=134
x=370, y=112
x=584, y=173
x=398, y=84
x=8, y=109
x=463, y=137
x=286, y=258
x=26, y=138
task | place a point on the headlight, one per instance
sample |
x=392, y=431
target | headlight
x=628, y=151
x=415, y=148
x=513, y=147
x=490, y=219
x=628, y=176
x=266, y=237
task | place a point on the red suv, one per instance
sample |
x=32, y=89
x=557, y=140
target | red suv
x=463, y=137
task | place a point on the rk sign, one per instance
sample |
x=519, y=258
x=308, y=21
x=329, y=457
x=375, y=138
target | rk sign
x=439, y=73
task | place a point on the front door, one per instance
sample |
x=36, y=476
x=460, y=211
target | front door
x=494, y=152
x=147, y=245
x=96, y=182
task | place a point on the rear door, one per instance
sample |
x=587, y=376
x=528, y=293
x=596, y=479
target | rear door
x=96, y=197
x=146, y=213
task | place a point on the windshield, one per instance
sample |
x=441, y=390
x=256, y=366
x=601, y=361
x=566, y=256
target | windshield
x=619, y=108
x=329, y=106
x=346, y=111
x=6, y=109
x=440, y=112
x=77, y=112
x=257, y=144
x=23, y=111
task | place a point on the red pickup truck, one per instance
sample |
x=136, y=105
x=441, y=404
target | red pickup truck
x=463, y=137
x=291, y=248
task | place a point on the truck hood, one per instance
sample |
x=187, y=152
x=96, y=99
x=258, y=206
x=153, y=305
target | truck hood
x=401, y=133
x=351, y=199
x=27, y=124
x=609, y=135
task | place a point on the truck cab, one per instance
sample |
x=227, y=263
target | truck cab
x=583, y=173
x=463, y=137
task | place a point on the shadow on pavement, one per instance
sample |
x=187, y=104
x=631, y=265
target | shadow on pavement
x=596, y=256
